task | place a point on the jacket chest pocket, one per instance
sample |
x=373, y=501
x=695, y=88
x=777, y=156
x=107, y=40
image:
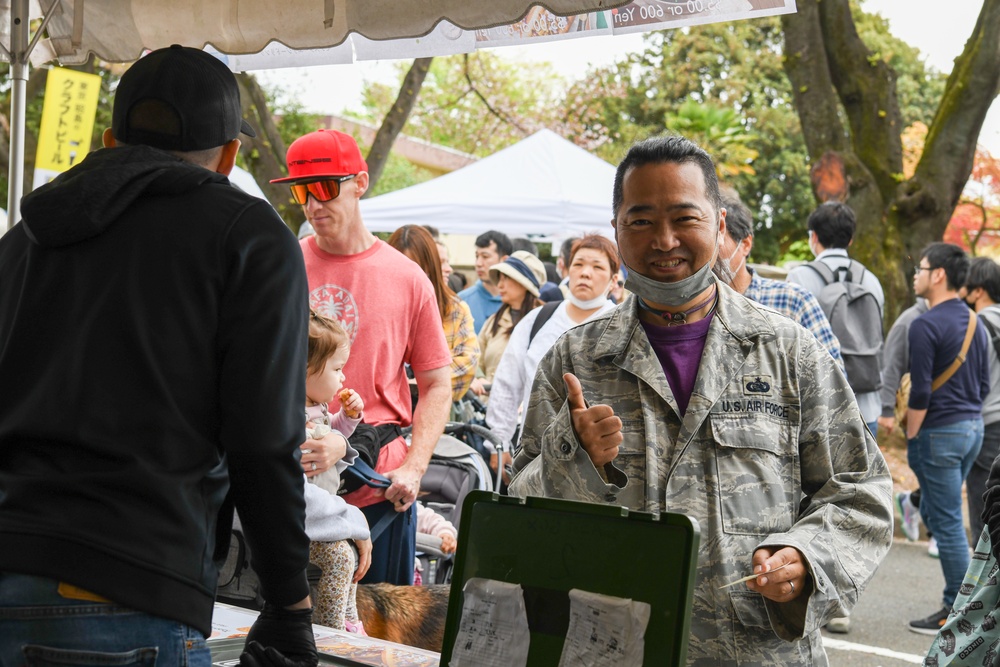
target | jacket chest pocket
x=757, y=470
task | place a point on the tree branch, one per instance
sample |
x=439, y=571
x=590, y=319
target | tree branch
x=816, y=72
x=489, y=107
x=394, y=121
x=265, y=153
x=949, y=153
x=979, y=232
x=866, y=86
x=812, y=88
x=810, y=66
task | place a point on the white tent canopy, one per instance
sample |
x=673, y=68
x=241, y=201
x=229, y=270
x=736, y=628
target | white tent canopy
x=543, y=185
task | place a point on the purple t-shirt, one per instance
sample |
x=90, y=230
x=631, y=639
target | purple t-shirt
x=679, y=351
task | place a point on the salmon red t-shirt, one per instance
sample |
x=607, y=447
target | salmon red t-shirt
x=386, y=304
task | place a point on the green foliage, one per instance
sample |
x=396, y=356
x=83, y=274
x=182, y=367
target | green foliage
x=477, y=103
x=723, y=86
x=293, y=120
x=290, y=116
x=711, y=125
x=797, y=251
x=918, y=87
x=399, y=173
x=102, y=120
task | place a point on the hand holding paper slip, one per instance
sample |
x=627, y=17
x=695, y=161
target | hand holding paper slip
x=752, y=576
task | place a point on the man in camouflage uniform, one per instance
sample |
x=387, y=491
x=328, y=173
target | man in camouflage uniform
x=736, y=417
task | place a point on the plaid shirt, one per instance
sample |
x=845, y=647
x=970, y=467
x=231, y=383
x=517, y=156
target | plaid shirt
x=460, y=333
x=796, y=303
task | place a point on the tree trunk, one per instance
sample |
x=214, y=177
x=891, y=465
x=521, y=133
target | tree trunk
x=834, y=77
x=925, y=203
x=810, y=68
x=265, y=153
x=394, y=121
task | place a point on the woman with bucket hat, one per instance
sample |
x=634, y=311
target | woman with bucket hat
x=592, y=268
x=518, y=278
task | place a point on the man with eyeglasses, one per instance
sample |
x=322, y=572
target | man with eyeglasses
x=387, y=305
x=944, y=423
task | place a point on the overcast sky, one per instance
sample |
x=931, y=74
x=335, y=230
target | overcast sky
x=938, y=29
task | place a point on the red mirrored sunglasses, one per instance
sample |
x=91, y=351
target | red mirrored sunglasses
x=322, y=190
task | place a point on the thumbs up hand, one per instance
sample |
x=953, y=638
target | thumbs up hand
x=597, y=427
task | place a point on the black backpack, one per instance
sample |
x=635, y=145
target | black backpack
x=545, y=313
x=238, y=582
x=856, y=321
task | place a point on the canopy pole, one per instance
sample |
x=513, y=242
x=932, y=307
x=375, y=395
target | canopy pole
x=19, y=86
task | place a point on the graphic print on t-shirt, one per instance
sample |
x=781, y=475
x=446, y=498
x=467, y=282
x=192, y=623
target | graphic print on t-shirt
x=337, y=303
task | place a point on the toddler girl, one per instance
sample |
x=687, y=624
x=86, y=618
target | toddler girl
x=338, y=532
x=329, y=349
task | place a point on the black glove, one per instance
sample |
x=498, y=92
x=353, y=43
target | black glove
x=281, y=638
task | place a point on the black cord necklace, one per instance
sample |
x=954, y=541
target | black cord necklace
x=677, y=319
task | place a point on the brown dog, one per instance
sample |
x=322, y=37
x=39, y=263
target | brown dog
x=411, y=615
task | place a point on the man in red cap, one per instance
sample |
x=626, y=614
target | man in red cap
x=387, y=305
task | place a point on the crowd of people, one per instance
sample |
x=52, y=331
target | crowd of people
x=174, y=363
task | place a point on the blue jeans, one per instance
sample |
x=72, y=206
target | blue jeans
x=395, y=549
x=40, y=627
x=941, y=457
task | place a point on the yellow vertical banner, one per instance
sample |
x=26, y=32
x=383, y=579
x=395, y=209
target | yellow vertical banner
x=68, y=114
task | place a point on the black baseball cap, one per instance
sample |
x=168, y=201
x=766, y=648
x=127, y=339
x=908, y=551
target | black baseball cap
x=180, y=99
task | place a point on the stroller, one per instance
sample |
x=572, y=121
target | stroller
x=455, y=469
x=475, y=433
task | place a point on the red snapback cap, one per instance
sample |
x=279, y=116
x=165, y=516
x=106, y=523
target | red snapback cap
x=323, y=154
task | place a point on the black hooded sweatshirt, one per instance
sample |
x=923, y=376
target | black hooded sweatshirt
x=153, y=323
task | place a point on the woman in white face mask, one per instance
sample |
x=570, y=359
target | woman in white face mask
x=590, y=279
x=593, y=268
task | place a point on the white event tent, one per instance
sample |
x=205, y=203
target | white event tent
x=541, y=186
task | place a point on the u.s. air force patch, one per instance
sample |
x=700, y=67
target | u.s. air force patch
x=780, y=411
x=757, y=385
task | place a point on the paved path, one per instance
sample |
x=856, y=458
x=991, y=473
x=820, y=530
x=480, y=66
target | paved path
x=907, y=586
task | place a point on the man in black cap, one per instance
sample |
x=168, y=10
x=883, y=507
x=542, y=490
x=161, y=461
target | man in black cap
x=152, y=376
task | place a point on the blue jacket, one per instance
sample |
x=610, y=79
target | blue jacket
x=936, y=338
x=481, y=303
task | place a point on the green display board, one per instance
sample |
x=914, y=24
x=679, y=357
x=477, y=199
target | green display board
x=552, y=546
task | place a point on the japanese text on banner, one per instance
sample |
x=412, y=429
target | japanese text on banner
x=67, y=119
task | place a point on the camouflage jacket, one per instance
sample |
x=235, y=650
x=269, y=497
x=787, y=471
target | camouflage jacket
x=771, y=451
